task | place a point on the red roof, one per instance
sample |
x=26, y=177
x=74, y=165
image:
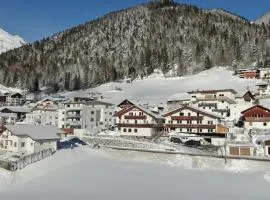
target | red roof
x=256, y=106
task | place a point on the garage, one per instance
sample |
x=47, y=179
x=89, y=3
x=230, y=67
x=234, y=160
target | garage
x=240, y=150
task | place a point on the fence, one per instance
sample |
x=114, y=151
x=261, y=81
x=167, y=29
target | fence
x=22, y=162
x=120, y=142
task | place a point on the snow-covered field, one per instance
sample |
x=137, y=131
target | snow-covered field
x=157, y=89
x=115, y=175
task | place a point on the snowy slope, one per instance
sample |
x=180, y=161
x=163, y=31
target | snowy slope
x=157, y=89
x=264, y=19
x=116, y=175
x=8, y=41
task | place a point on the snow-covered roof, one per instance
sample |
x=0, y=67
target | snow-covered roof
x=36, y=132
x=16, y=109
x=195, y=108
x=8, y=115
x=179, y=97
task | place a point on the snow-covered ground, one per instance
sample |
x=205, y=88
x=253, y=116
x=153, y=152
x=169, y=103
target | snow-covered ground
x=98, y=174
x=157, y=89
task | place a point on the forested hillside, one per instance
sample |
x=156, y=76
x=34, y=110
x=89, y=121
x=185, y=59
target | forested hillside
x=134, y=42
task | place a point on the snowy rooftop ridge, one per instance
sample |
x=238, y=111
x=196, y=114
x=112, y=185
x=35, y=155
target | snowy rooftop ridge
x=36, y=132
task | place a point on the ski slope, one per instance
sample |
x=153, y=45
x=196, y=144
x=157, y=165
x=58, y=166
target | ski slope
x=119, y=175
x=156, y=89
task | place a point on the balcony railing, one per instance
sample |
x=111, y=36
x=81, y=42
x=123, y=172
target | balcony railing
x=187, y=117
x=135, y=117
x=221, y=110
x=207, y=104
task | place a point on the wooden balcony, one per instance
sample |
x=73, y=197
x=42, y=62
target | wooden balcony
x=199, y=126
x=197, y=118
x=136, y=125
x=257, y=119
x=142, y=117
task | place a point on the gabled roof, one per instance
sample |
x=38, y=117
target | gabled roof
x=213, y=91
x=195, y=109
x=16, y=109
x=259, y=106
x=127, y=101
x=145, y=110
x=35, y=132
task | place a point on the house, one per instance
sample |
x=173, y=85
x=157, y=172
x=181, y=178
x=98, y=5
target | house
x=18, y=110
x=244, y=100
x=8, y=118
x=216, y=101
x=265, y=73
x=29, y=138
x=177, y=100
x=14, y=99
x=47, y=115
x=91, y=115
x=249, y=74
x=136, y=121
x=257, y=117
x=263, y=88
x=187, y=119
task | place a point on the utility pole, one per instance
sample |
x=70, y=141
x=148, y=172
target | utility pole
x=225, y=149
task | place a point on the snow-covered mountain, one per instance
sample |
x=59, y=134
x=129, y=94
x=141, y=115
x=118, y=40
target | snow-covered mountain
x=8, y=41
x=264, y=19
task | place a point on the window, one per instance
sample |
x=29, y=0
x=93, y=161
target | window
x=198, y=114
x=200, y=122
x=210, y=130
x=15, y=144
x=129, y=130
x=136, y=122
x=179, y=121
x=181, y=114
x=110, y=113
x=264, y=124
x=92, y=119
x=135, y=130
x=22, y=144
x=188, y=114
x=6, y=142
x=189, y=122
x=125, y=130
x=210, y=122
x=180, y=130
x=92, y=112
x=130, y=114
x=63, y=119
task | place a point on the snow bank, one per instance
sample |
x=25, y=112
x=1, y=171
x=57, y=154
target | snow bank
x=117, y=175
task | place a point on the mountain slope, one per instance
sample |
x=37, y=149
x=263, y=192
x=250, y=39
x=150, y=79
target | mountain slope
x=264, y=19
x=9, y=42
x=134, y=42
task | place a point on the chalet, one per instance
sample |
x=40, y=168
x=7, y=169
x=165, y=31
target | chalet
x=264, y=88
x=212, y=94
x=249, y=74
x=245, y=98
x=257, y=117
x=14, y=99
x=187, y=119
x=29, y=138
x=137, y=121
x=19, y=111
x=215, y=101
x=265, y=73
